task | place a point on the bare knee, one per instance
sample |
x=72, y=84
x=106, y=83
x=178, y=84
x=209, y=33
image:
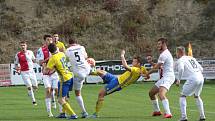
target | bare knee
x=153, y=92
x=102, y=93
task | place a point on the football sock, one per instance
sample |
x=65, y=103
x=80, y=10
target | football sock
x=155, y=105
x=165, y=103
x=31, y=94
x=99, y=105
x=68, y=109
x=53, y=96
x=60, y=108
x=48, y=104
x=183, y=105
x=81, y=103
x=200, y=106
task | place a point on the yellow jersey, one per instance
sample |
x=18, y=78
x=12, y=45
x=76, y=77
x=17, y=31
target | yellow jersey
x=60, y=45
x=130, y=77
x=58, y=62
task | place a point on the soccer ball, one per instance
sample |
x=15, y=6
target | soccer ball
x=91, y=62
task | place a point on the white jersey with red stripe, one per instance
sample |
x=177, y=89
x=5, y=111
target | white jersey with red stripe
x=43, y=53
x=25, y=59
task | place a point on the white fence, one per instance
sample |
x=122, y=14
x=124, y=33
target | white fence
x=8, y=76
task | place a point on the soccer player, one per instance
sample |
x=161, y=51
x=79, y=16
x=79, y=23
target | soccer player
x=114, y=83
x=58, y=62
x=80, y=68
x=163, y=85
x=50, y=81
x=58, y=43
x=191, y=70
x=25, y=59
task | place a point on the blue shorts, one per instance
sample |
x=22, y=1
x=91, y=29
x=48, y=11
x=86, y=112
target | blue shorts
x=64, y=88
x=112, y=83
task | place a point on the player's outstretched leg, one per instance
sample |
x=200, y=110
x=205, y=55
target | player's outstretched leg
x=154, y=100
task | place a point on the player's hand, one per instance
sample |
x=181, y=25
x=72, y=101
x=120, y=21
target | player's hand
x=177, y=83
x=122, y=52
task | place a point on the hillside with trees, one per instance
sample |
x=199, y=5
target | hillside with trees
x=105, y=27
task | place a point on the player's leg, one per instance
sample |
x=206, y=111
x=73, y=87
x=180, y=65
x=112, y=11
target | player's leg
x=112, y=86
x=187, y=90
x=199, y=101
x=47, y=84
x=152, y=94
x=34, y=82
x=99, y=102
x=165, y=101
x=63, y=90
x=78, y=84
x=183, y=106
x=164, y=86
x=27, y=81
x=54, y=86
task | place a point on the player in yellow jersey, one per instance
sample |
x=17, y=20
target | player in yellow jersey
x=58, y=43
x=114, y=83
x=57, y=62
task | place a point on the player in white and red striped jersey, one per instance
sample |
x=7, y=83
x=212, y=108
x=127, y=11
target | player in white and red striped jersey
x=50, y=81
x=24, y=65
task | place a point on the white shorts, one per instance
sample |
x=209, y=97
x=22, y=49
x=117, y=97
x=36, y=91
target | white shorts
x=79, y=77
x=191, y=87
x=51, y=81
x=29, y=78
x=166, y=82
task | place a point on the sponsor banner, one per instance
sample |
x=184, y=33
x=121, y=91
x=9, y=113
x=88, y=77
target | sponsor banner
x=17, y=78
x=208, y=68
x=113, y=66
x=5, y=75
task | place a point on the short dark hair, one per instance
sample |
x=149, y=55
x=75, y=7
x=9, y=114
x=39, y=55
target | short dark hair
x=46, y=36
x=163, y=40
x=139, y=59
x=72, y=41
x=52, y=47
x=23, y=42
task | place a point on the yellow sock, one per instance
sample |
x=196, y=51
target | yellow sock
x=99, y=105
x=68, y=109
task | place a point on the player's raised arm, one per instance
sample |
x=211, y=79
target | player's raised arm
x=124, y=63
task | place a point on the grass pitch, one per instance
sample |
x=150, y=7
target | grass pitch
x=130, y=104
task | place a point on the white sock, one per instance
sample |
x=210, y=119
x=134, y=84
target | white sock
x=155, y=104
x=53, y=96
x=81, y=103
x=165, y=103
x=200, y=106
x=48, y=104
x=60, y=108
x=183, y=106
x=31, y=93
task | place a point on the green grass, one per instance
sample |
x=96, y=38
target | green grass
x=130, y=104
